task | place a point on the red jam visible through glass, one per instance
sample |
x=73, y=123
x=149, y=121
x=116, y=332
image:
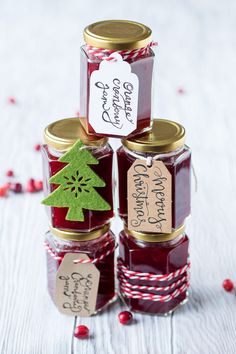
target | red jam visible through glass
x=156, y=258
x=93, y=249
x=142, y=67
x=92, y=219
x=178, y=165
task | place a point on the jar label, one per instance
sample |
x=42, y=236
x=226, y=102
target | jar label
x=113, y=100
x=149, y=197
x=76, y=286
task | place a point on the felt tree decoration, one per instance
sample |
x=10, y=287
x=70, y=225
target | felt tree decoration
x=77, y=182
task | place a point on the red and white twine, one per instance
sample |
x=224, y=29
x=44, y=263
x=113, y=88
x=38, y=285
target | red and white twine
x=84, y=261
x=104, y=54
x=136, y=291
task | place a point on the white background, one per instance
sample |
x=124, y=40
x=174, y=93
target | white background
x=39, y=65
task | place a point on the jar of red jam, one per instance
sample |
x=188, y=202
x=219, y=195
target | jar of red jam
x=153, y=270
x=60, y=137
x=99, y=247
x=116, y=98
x=164, y=142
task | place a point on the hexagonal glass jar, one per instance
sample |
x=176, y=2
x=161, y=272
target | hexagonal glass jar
x=117, y=36
x=158, y=254
x=59, y=137
x=94, y=244
x=165, y=142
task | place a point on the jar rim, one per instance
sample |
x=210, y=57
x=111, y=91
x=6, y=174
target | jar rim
x=155, y=237
x=164, y=136
x=117, y=34
x=63, y=134
x=79, y=236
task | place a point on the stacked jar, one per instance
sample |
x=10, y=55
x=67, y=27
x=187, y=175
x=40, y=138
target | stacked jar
x=154, y=201
x=116, y=79
x=78, y=196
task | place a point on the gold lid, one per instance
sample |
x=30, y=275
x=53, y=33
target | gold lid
x=117, y=35
x=79, y=236
x=149, y=237
x=164, y=136
x=62, y=134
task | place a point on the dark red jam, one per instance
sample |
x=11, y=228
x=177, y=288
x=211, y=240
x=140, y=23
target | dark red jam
x=156, y=258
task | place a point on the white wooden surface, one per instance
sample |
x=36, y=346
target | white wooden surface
x=39, y=65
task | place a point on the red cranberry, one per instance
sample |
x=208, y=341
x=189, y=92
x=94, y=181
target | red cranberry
x=30, y=187
x=11, y=100
x=38, y=185
x=228, y=285
x=37, y=147
x=125, y=317
x=7, y=185
x=81, y=332
x=10, y=173
x=77, y=114
x=16, y=187
x=181, y=91
x=3, y=191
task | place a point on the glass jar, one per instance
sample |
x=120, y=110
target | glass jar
x=58, y=243
x=165, y=142
x=158, y=255
x=124, y=37
x=59, y=137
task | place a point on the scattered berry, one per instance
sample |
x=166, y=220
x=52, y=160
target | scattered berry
x=125, y=317
x=81, y=332
x=37, y=147
x=3, y=191
x=228, y=285
x=7, y=185
x=30, y=187
x=77, y=114
x=38, y=185
x=11, y=100
x=181, y=91
x=9, y=173
x=16, y=187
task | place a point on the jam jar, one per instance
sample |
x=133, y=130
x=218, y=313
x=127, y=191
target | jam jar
x=60, y=137
x=98, y=245
x=153, y=270
x=164, y=142
x=109, y=113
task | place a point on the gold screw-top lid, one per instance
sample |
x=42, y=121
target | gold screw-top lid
x=149, y=237
x=164, y=136
x=117, y=35
x=80, y=236
x=62, y=134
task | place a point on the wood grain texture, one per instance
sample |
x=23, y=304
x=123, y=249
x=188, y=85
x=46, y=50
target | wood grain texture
x=39, y=65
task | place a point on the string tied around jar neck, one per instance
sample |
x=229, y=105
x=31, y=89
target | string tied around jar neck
x=106, y=54
x=149, y=159
x=108, y=248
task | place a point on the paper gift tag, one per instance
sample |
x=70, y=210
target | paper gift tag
x=113, y=99
x=76, y=286
x=149, y=197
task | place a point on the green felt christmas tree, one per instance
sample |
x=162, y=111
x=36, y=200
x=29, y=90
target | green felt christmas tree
x=77, y=182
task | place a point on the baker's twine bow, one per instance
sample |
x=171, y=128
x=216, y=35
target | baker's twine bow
x=105, y=54
x=137, y=291
x=106, y=253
